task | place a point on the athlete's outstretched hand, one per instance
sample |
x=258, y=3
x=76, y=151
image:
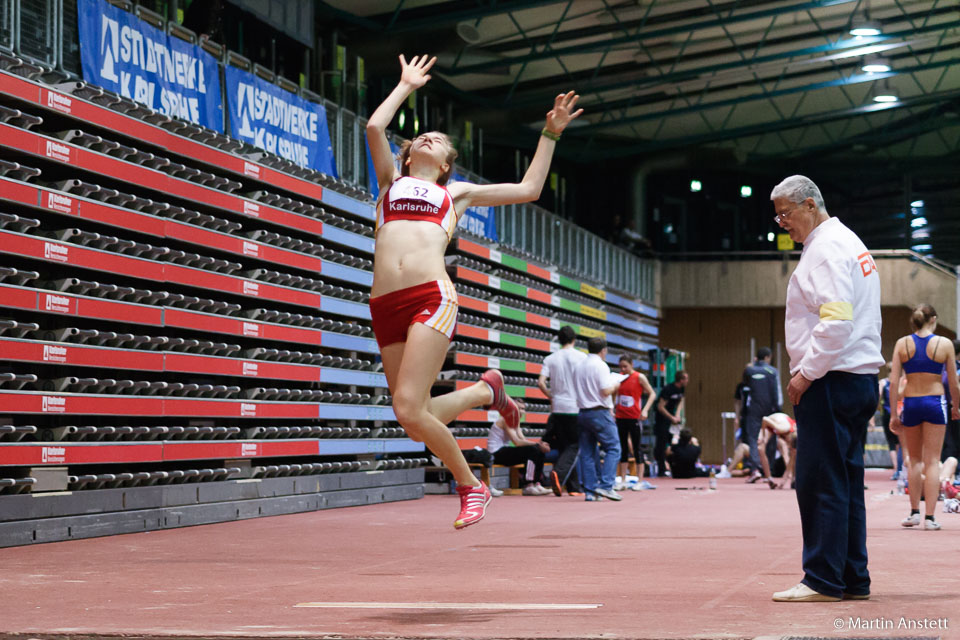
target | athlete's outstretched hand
x=562, y=113
x=415, y=72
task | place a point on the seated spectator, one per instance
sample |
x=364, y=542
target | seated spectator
x=741, y=454
x=510, y=447
x=684, y=455
x=631, y=240
x=613, y=231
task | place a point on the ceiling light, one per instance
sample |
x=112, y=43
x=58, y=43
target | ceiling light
x=920, y=234
x=866, y=28
x=695, y=186
x=885, y=93
x=771, y=237
x=922, y=247
x=918, y=222
x=876, y=65
x=862, y=26
x=746, y=191
x=468, y=32
x=917, y=204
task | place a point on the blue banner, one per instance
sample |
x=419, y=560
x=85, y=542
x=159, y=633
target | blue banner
x=278, y=121
x=481, y=221
x=124, y=54
x=372, y=173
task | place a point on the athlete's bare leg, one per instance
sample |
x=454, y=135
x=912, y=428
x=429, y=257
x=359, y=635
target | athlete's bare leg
x=411, y=368
x=924, y=443
x=448, y=406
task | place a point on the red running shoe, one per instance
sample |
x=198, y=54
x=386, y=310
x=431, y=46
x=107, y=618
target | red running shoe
x=502, y=403
x=473, y=505
x=949, y=491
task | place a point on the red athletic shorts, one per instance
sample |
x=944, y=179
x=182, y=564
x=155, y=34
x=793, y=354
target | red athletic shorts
x=432, y=303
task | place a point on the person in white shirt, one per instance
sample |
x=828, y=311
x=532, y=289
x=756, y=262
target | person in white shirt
x=562, y=433
x=510, y=447
x=595, y=388
x=833, y=339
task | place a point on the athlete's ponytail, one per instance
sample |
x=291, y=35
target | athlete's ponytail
x=922, y=315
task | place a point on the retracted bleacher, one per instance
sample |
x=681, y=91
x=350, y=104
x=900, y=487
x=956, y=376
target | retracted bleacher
x=184, y=330
x=184, y=326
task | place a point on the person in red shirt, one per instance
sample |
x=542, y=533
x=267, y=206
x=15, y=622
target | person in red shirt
x=630, y=415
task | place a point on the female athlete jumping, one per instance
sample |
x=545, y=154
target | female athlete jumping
x=413, y=303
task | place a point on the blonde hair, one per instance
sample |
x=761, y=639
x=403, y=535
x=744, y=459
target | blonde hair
x=451, y=157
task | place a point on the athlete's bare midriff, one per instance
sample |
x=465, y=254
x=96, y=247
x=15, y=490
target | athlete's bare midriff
x=408, y=253
x=923, y=384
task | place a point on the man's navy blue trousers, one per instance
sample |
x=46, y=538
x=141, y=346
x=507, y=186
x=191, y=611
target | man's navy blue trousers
x=831, y=424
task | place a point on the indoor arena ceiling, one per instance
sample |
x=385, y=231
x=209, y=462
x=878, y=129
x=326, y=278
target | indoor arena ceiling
x=751, y=78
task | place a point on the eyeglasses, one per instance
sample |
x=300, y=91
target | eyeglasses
x=780, y=217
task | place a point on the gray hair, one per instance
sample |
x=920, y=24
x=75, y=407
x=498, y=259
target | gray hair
x=796, y=189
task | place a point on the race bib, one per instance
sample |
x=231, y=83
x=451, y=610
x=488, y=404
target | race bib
x=626, y=401
x=408, y=188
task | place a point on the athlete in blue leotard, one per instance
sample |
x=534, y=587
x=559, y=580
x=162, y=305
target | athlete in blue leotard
x=922, y=356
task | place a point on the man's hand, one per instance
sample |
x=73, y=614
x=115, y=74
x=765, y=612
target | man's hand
x=643, y=416
x=674, y=420
x=797, y=387
x=544, y=446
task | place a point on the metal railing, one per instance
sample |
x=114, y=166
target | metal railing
x=45, y=32
x=557, y=241
x=884, y=254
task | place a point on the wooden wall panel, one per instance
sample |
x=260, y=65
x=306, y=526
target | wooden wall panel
x=763, y=283
x=718, y=343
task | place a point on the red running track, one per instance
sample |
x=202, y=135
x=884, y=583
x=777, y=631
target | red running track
x=660, y=564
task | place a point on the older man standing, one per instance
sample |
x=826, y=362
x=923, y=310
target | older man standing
x=559, y=368
x=595, y=388
x=833, y=338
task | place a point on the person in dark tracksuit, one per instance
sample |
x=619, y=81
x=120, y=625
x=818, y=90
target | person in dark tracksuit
x=762, y=397
x=669, y=405
x=832, y=327
x=951, y=440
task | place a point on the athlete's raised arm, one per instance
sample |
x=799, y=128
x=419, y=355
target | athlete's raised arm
x=413, y=76
x=466, y=194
